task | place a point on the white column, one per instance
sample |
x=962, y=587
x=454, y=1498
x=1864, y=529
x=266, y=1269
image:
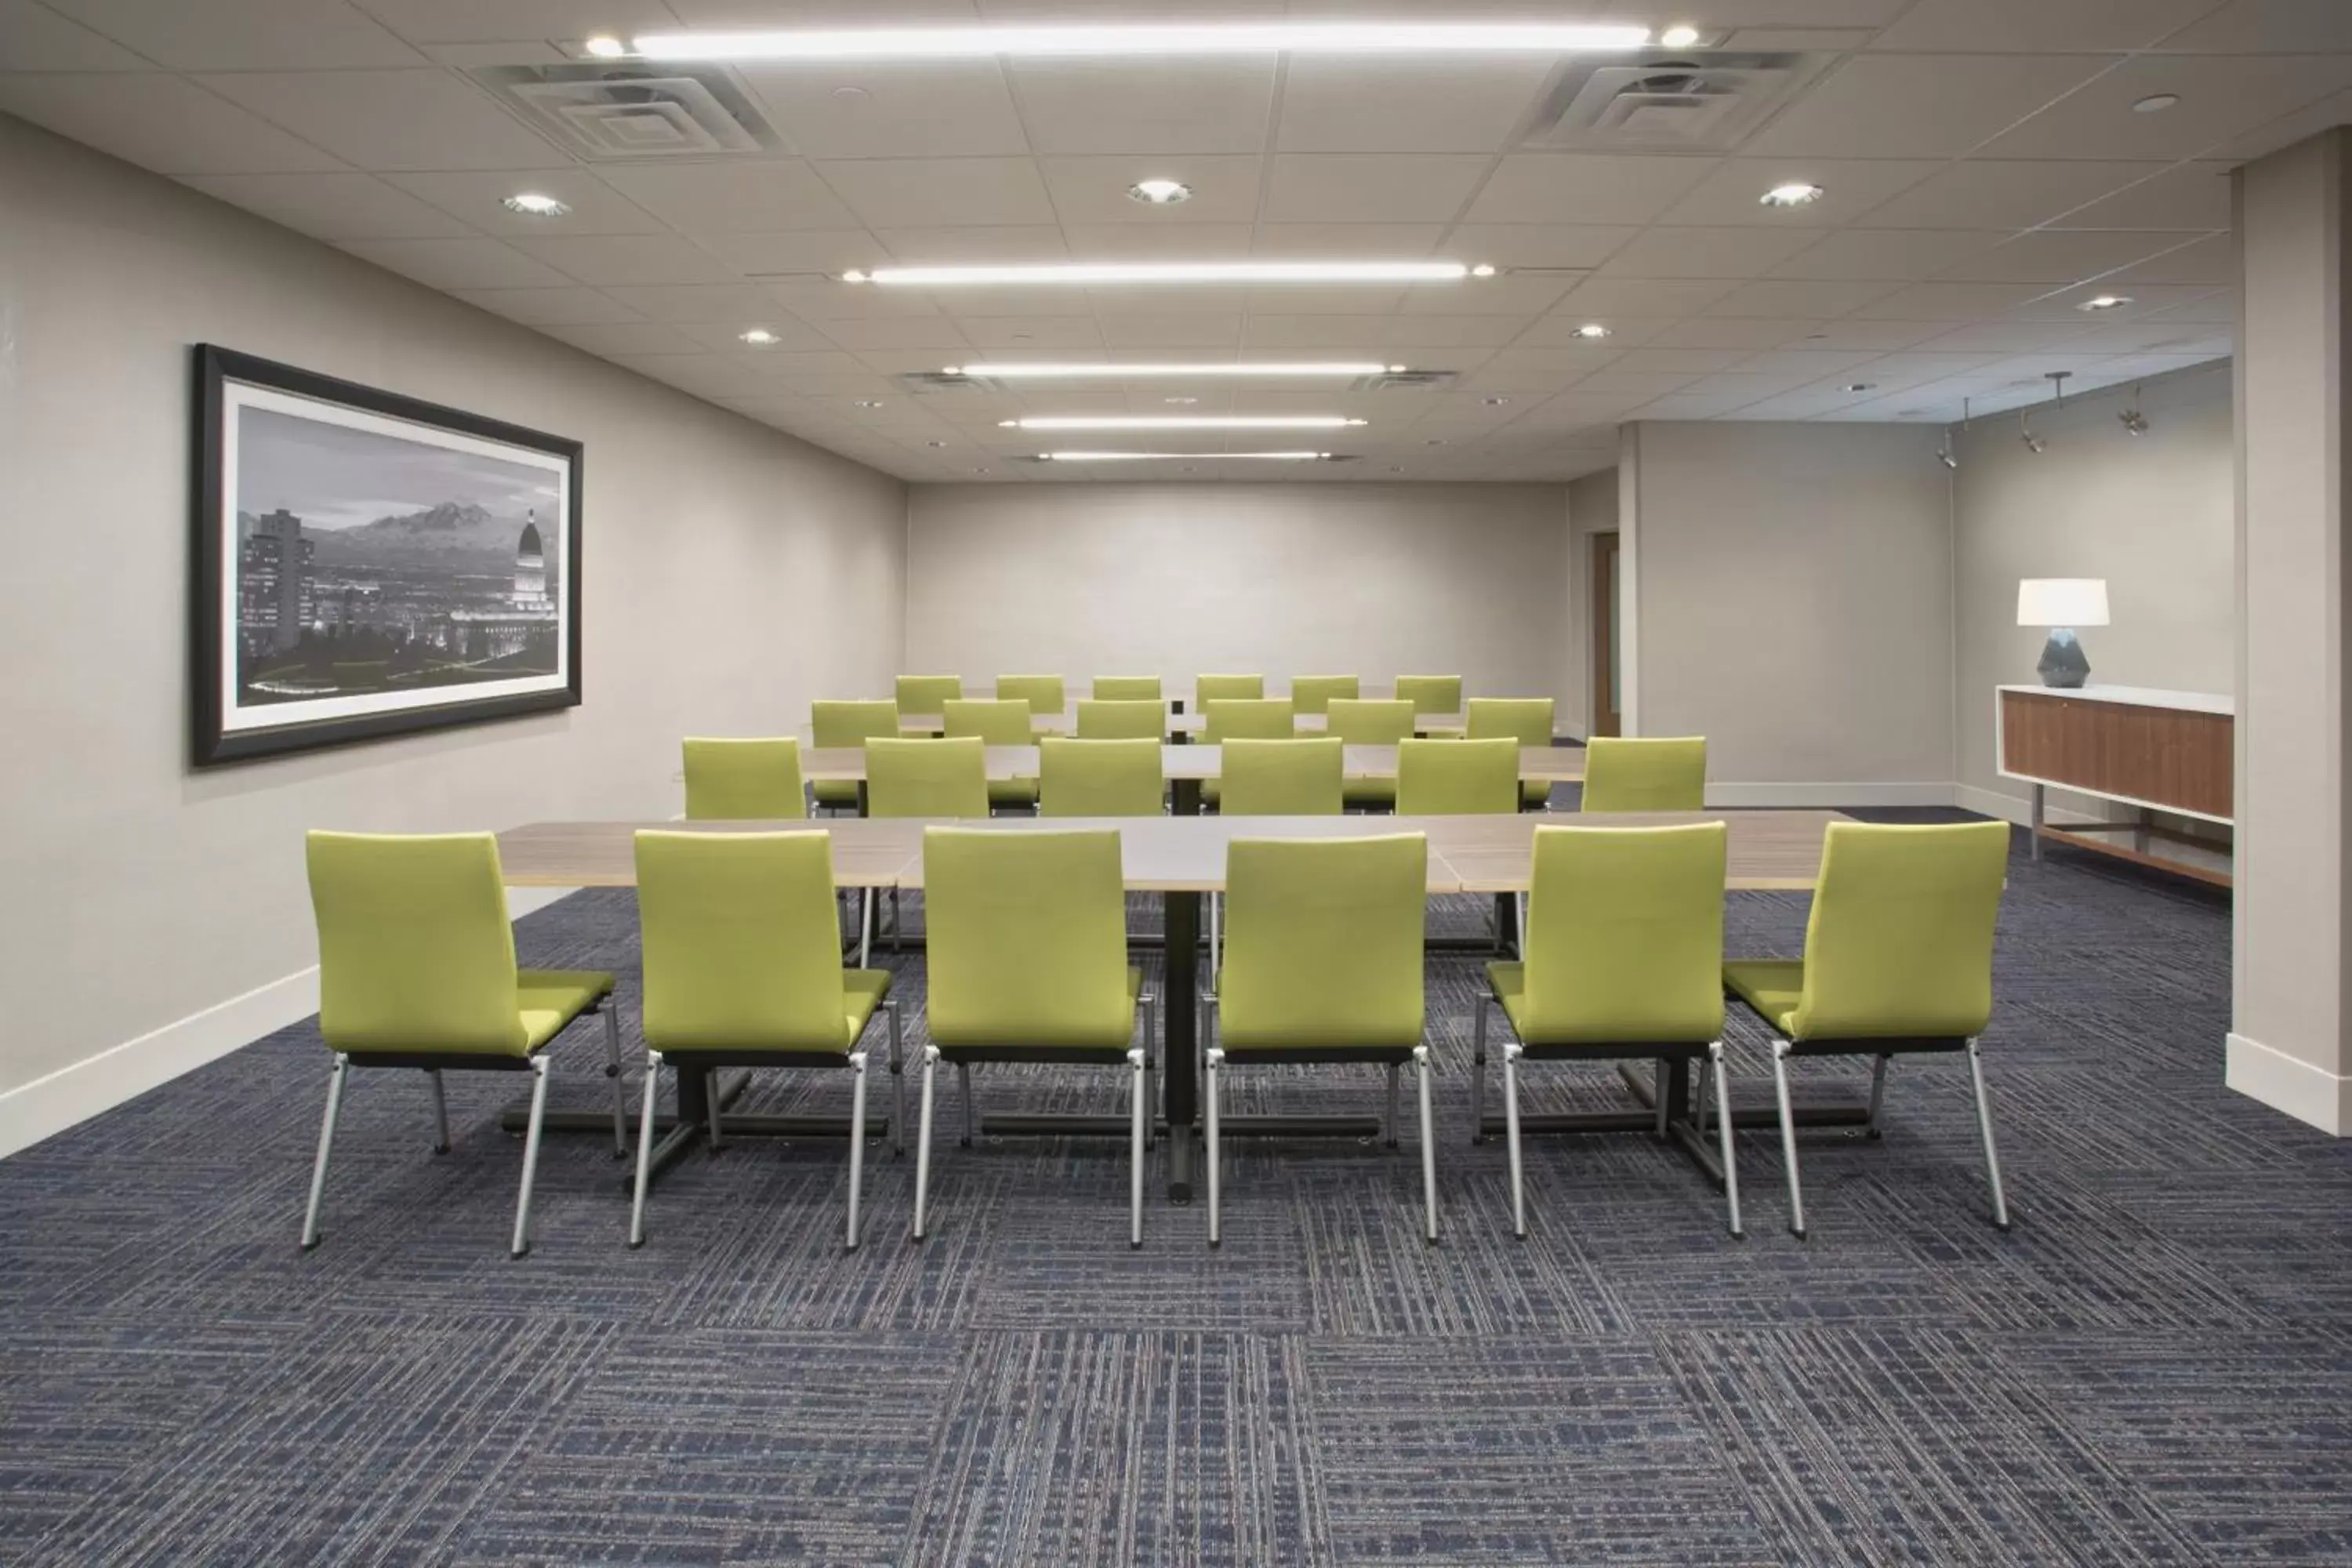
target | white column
x=2287, y=1044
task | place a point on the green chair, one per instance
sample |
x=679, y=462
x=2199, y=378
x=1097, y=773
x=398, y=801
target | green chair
x=1623, y=960
x=1628, y=774
x=928, y=694
x=846, y=726
x=1297, y=777
x=743, y=969
x=743, y=781
x=1126, y=688
x=919, y=777
x=1043, y=694
x=1323, y=963
x=417, y=969
x=1458, y=778
x=1431, y=693
x=1899, y=960
x=1028, y=963
x=1208, y=688
x=1369, y=721
x=1313, y=693
x=1120, y=719
x=1100, y=778
x=1525, y=720
x=1000, y=722
x=1242, y=718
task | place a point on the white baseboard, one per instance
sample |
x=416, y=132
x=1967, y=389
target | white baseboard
x=72, y=1095
x=2287, y=1083
x=1827, y=795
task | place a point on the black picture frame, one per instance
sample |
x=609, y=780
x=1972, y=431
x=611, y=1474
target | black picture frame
x=222, y=731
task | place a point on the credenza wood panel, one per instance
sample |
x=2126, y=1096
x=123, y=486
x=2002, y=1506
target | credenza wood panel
x=2165, y=756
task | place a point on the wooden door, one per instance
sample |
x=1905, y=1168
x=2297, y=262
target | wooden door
x=1604, y=661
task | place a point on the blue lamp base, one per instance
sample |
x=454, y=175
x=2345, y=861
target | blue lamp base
x=2064, y=664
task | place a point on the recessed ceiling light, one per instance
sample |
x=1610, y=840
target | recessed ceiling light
x=1795, y=194
x=531, y=203
x=1159, y=193
x=1180, y=422
x=1086, y=274
x=935, y=446
x=1434, y=441
x=1862, y=386
x=1497, y=401
x=2155, y=103
x=1482, y=271
x=1181, y=402
x=1681, y=35
x=2104, y=302
x=759, y=337
x=853, y=94
x=605, y=49
x=1146, y=39
x=869, y=403
x=1593, y=330
x=1187, y=457
x=1116, y=372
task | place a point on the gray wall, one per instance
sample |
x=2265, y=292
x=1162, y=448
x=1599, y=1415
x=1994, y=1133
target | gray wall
x=1173, y=580
x=1793, y=594
x=2153, y=515
x=731, y=574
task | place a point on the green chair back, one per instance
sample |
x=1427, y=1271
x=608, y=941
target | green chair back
x=1028, y=939
x=1298, y=777
x=1323, y=942
x=1126, y=687
x=1043, y=694
x=1098, y=778
x=1900, y=940
x=848, y=725
x=1248, y=719
x=928, y=694
x=996, y=720
x=1645, y=774
x=1118, y=719
x=1313, y=693
x=755, y=781
x=927, y=777
x=1208, y=688
x=742, y=944
x=1431, y=693
x=1456, y=778
x=416, y=951
x=1370, y=720
x=1526, y=720
x=1624, y=936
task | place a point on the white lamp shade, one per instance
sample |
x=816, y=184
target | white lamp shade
x=2062, y=602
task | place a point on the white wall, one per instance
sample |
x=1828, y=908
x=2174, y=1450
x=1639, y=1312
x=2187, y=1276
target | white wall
x=1793, y=604
x=730, y=574
x=2155, y=515
x=1174, y=580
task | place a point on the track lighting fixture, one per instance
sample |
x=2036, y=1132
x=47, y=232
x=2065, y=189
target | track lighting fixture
x=1945, y=453
x=2134, y=422
x=2033, y=443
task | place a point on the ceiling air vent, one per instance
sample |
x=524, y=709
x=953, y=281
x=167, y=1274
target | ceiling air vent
x=1667, y=104
x=931, y=383
x=629, y=113
x=1407, y=381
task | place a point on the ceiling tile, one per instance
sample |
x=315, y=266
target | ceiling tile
x=1806, y=362
x=770, y=196
x=1751, y=333
x=704, y=376
x=478, y=198
x=918, y=193
x=161, y=122
x=2057, y=256
x=627, y=258
x=1030, y=335
x=937, y=247
x=931, y=332
x=1271, y=331
x=1340, y=104
x=1903, y=254
x=1988, y=195
x=550, y=307
x=458, y=263
x=748, y=302
x=1780, y=297
x=796, y=340
x=2212, y=260
x=1994, y=337
x=2270, y=27
x=35, y=38
x=1094, y=190
x=391, y=120
x=1682, y=362
x=333, y=205
x=2220, y=98
x=816, y=251
x=2147, y=299
x=2193, y=195
x=1538, y=244
x=1607, y=298
x=1734, y=193
x=625, y=338
x=1358, y=240
x=2278, y=134
x=483, y=21
x=1302, y=299
x=1664, y=252
x=1149, y=242
x=243, y=35
x=868, y=109
x=1165, y=106
x=2038, y=27
x=1461, y=331
x=1920, y=106
x=1354, y=187
x=1170, y=330
x=1884, y=336
x=1585, y=188
x=1950, y=302
x=1524, y=294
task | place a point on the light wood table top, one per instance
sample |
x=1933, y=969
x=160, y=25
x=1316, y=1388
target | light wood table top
x=1770, y=851
x=605, y=853
x=1186, y=723
x=846, y=764
x=1537, y=764
x=1187, y=854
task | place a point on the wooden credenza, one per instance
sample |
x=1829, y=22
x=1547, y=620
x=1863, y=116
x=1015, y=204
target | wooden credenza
x=2170, y=752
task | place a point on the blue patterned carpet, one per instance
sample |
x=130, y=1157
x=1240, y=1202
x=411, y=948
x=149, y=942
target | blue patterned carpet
x=2155, y=1366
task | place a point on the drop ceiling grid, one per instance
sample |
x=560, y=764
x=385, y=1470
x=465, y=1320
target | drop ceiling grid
x=686, y=287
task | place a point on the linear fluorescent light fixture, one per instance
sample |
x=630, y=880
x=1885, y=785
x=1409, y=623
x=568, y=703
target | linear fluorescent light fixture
x=1183, y=456
x=1145, y=39
x=1028, y=372
x=1181, y=422
x=1112, y=273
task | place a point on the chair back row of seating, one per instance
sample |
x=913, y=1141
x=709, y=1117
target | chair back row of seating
x=1049, y=694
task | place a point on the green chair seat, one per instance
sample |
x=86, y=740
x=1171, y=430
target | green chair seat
x=841, y=793
x=1012, y=792
x=1369, y=793
x=549, y=999
x=862, y=991
x=1772, y=987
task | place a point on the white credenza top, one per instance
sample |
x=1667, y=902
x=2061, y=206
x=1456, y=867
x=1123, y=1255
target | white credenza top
x=2140, y=697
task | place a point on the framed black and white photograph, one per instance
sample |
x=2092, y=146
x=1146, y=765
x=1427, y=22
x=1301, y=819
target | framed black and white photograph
x=369, y=565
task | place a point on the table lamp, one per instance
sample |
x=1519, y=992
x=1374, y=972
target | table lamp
x=2062, y=604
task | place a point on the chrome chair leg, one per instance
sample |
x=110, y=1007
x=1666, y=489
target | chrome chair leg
x=712, y=1080
x=335, y=1079
x=1658, y=1075
x=1428, y=1145
x=865, y=926
x=1787, y=1138
x=1216, y=1173
x=897, y=1078
x=1723, y=1130
x=1511, y=1050
x=440, y=1112
x=1478, y=1069
x=1877, y=1093
x=1216, y=947
x=1138, y=1114
x=530, y=1154
x=644, y=1148
x=971, y=1116
x=1150, y=1071
x=612, y=1072
x=856, y=1142
x=923, y=1140
x=1984, y=1125
x=1388, y=1127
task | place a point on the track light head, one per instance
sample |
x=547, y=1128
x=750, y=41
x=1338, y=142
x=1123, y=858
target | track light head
x=2033, y=443
x=1945, y=456
x=2134, y=422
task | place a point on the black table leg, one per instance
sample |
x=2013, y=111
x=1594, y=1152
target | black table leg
x=1185, y=797
x=1181, y=1026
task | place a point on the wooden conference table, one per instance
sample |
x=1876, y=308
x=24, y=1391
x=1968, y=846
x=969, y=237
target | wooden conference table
x=1179, y=859
x=1188, y=724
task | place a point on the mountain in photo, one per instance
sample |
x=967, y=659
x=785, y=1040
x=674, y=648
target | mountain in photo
x=450, y=536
